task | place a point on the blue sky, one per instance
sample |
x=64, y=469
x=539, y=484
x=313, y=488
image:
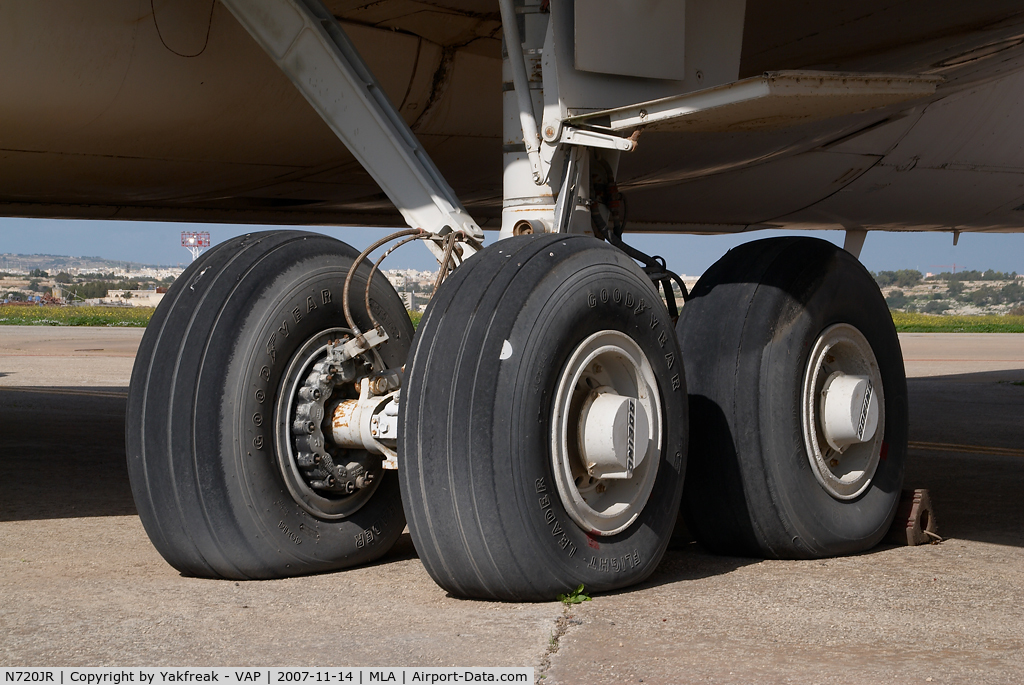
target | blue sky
x=160, y=243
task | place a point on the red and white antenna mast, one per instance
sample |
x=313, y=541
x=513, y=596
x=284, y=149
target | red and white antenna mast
x=195, y=242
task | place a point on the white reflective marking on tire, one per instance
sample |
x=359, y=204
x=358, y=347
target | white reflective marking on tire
x=506, y=350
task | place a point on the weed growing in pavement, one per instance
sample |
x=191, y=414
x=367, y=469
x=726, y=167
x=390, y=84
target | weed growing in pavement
x=577, y=596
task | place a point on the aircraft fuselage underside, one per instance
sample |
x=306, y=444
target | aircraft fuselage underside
x=111, y=111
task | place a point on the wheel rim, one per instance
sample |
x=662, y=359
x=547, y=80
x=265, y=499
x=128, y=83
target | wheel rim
x=609, y=364
x=313, y=502
x=841, y=359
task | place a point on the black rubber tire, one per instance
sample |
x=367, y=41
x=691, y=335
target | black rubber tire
x=199, y=433
x=476, y=465
x=746, y=337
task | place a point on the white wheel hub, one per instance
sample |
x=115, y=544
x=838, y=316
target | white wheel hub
x=606, y=441
x=849, y=410
x=614, y=433
x=843, y=411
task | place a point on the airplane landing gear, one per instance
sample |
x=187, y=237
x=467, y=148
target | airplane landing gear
x=225, y=431
x=544, y=423
x=798, y=403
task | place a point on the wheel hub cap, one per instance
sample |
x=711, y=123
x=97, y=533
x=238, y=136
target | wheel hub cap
x=849, y=410
x=614, y=434
x=843, y=412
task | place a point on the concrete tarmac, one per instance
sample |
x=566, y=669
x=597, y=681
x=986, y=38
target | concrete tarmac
x=62, y=356
x=80, y=584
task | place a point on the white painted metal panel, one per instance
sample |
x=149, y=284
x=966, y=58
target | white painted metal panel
x=642, y=38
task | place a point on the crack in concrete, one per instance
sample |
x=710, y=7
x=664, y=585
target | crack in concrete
x=562, y=625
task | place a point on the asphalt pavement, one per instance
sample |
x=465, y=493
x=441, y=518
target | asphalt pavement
x=80, y=583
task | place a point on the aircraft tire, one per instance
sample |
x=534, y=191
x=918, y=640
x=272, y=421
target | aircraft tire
x=765, y=327
x=202, y=431
x=487, y=419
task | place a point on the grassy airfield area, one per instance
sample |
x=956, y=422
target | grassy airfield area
x=36, y=315
x=906, y=322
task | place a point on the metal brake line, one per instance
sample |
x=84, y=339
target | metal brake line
x=376, y=265
x=449, y=247
x=355, y=265
x=405, y=236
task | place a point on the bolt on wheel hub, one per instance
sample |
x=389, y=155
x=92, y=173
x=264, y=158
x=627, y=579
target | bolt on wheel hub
x=327, y=481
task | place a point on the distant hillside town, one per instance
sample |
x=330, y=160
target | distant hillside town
x=20, y=264
x=964, y=292
x=50, y=279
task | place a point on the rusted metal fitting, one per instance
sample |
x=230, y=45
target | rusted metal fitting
x=345, y=424
x=528, y=227
x=385, y=382
x=914, y=523
x=369, y=423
